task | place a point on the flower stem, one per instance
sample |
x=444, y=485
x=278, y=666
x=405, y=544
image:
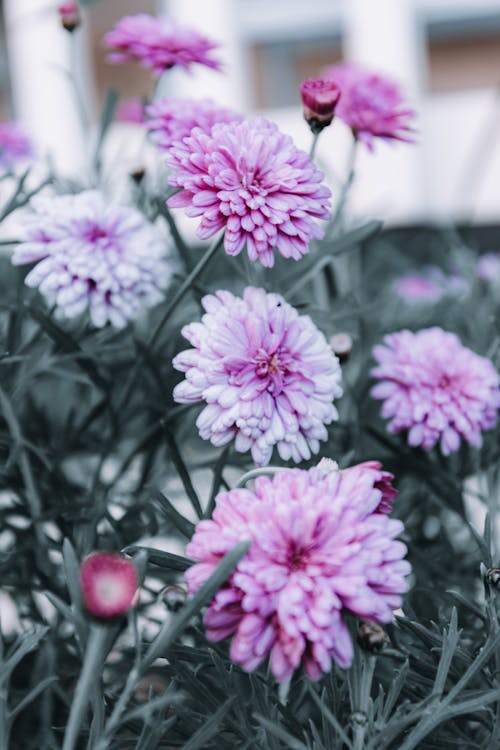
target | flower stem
x=314, y=143
x=346, y=186
x=361, y=678
x=92, y=668
x=261, y=471
x=179, y=294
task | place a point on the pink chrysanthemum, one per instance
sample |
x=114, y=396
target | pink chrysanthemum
x=435, y=388
x=91, y=254
x=15, y=146
x=249, y=179
x=171, y=119
x=370, y=104
x=159, y=44
x=319, y=549
x=109, y=584
x=267, y=374
x=488, y=267
x=131, y=110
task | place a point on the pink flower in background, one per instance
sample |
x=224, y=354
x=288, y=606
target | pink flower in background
x=267, y=374
x=159, y=44
x=249, y=179
x=488, y=267
x=90, y=254
x=319, y=549
x=15, y=145
x=69, y=13
x=319, y=97
x=171, y=119
x=370, y=104
x=109, y=584
x=418, y=288
x=131, y=110
x=435, y=388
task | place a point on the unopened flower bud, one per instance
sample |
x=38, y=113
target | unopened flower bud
x=109, y=584
x=151, y=685
x=341, y=344
x=69, y=13
x=327, y=465
x=492, y=577
x=372, y=637
x=174, y=597
x=319, y=98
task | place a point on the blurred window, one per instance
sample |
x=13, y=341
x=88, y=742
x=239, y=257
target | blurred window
x=464, y=56
x=129, y=79
x=278, y=68
x=4, y=72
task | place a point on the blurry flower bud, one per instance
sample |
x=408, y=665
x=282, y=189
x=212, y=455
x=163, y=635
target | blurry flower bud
x=319, y=98
x=109, y=584
x=492, y=577
x=372, y=637
x=174, y=597
x=69, y=13
x=327, y=465
x=341, y=344
x=137, y=173
x=151, y=685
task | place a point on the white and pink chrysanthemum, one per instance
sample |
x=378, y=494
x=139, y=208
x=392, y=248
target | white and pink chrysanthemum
x=172, y=118
x=109, y=584
x=370, y=104
x=435, y=388
x=267, y=375
x=15, y=146
x=251, y=180
x=92, y=255
x=319, y=549
x=158, y=44
x=488, y=267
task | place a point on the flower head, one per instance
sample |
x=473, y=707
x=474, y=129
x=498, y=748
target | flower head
x=171, y=119
x=69, y=13
x=267, y=374
x=488, y=267
x=319, y=97
x=318, y=550
x=370, y=104
x=158, y=44
x=90, y=254
x=435, y=388
x=14, y=145
x=109, y=584
x=131, y=110
x=418, y=287
x=249, y=179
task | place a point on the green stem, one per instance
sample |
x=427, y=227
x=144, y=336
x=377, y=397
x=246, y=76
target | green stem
x=92, y=668
x=179, y=294
x=314, y=143
x=262, y=471
x=346, y=186
x=360, y=698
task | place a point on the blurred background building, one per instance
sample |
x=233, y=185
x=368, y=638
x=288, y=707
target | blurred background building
x=444, y=53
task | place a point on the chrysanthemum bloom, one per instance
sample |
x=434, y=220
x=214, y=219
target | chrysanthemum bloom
x=318, y=550
x=159, y=44
x=69, y=13
x=171, y=119
x=249, y=179
x=370, y=104
x=131, y=110
x=488, y=267
x=319, y=97
x=267, y=374
x=15, y=146
x=91, y=254
x=109, y=584
x=435, y=388
x=416, y=287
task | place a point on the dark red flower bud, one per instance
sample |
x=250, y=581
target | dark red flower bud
x=109, y=584
x=372, y=637
x=319, y=98
x=69, y=13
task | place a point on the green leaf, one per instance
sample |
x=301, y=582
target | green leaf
x=182, y=471
x=171, y=630
x=161, y=558
x=210, y=728
x=28, y=642
x=277, y=731
x=182, y=524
